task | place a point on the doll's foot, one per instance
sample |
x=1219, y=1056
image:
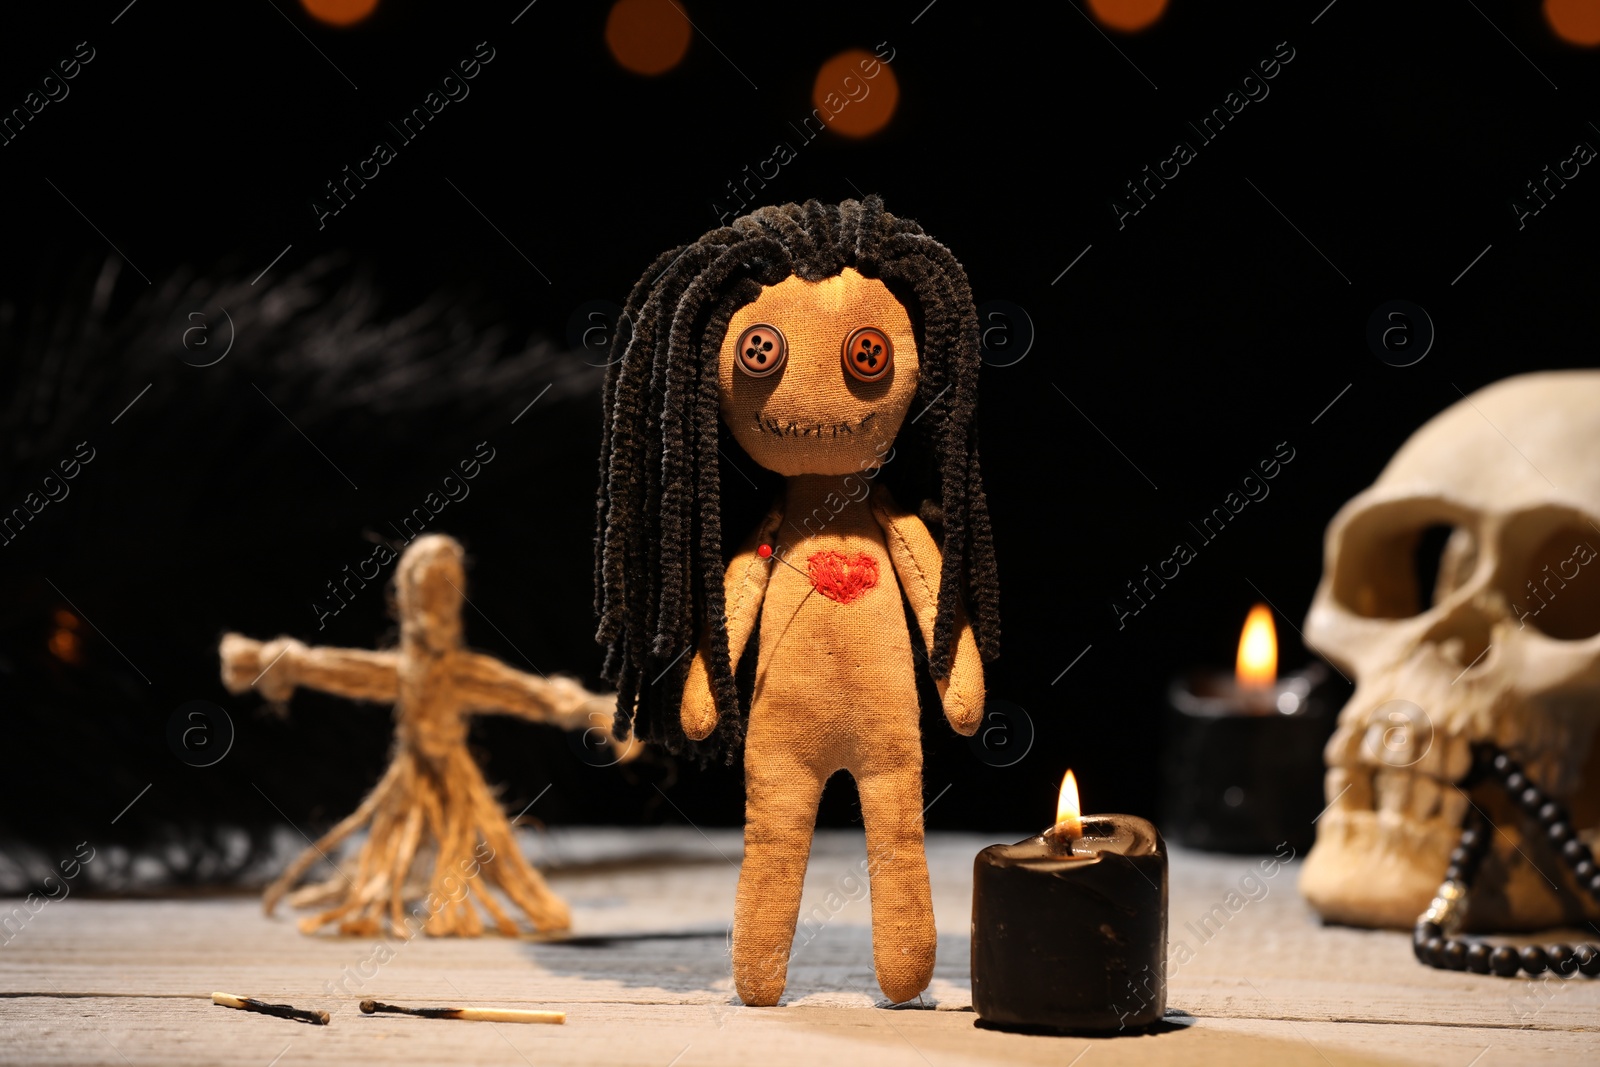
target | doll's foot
x=905, y=969
x=759, y=978
x=758, y=993
x=900, y=989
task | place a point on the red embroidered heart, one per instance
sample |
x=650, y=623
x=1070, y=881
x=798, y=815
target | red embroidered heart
x=840, y=577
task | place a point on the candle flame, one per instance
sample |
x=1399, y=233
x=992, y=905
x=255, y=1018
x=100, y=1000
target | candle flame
x=1069, y=812
x=1258, y=650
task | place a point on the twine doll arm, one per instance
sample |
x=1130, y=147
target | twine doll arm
x=918, y=564
x=744, y=586
x=486, y=685
x=276, y=667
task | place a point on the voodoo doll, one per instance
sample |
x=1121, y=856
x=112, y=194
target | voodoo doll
x=836, y=347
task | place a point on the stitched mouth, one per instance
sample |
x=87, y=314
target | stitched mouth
x=796, y=428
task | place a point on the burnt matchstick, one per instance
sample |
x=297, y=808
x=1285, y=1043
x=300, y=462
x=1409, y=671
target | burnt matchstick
x=482, y=1015
x=280, y=1011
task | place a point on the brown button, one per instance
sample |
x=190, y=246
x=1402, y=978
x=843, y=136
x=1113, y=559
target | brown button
x=868, y=355
x=762, y=350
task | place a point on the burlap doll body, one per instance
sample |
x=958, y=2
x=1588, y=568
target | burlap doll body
x=807, y=352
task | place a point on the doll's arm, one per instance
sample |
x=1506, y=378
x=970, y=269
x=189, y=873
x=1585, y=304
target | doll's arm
x=918, y=564
x=276, y=667
x=484, y=684
x=744, y=586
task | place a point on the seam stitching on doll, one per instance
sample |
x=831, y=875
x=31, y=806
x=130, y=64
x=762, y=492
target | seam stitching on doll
x=811, y=429
x=891, y=526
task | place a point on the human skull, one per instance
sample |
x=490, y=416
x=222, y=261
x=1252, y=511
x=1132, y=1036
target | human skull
x=1505, y=486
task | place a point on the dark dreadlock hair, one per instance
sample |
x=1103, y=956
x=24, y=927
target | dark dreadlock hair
x=659, y=562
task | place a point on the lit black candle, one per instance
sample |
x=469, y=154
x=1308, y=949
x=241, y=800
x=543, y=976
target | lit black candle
x=1243, y=761
x=1069, y=928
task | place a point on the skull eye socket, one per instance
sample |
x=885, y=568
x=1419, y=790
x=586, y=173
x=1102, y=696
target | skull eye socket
x=1396, y=572
x=868, y=354
x=1393, y=567
x=762, y=350
x=1559, y=594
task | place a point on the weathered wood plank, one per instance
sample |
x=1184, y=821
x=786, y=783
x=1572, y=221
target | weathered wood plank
x=646, y=978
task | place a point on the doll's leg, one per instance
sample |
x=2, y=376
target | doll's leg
x=903, y=935
x=781, y=797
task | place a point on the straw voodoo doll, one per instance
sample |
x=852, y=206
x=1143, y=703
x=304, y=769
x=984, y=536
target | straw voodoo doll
x=836, y=346
x=434, y=824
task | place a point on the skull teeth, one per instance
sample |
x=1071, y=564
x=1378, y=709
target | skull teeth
x=1377, y=746
x=1391, y=791
x=1350, y=788
x=1404, y=793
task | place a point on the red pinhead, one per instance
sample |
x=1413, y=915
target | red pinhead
x=764, y=551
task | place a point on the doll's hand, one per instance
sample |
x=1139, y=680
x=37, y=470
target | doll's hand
x=963, y=692
x=699, y=710
x=964, y=709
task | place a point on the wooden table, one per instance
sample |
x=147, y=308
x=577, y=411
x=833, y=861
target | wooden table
x=645, y=979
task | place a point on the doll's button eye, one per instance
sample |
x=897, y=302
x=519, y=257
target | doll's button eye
x=868, y=355
x=762, y=350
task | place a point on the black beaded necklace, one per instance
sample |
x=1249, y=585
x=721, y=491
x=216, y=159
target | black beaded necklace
x=1434, y=939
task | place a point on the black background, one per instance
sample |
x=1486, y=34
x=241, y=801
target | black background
x=1191, y=342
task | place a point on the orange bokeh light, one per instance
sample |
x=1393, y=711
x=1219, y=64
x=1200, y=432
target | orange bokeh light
x=65, y=645
x=647, y=36
x=64, y=641
x=1129, y=16
x=858, y=90
x=339, y=12
x=1574, y=21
